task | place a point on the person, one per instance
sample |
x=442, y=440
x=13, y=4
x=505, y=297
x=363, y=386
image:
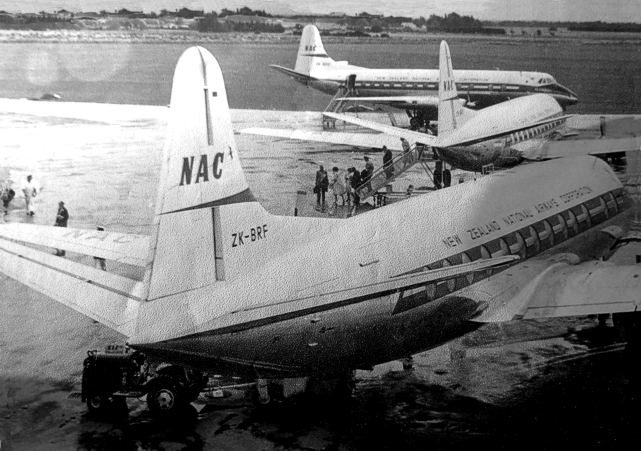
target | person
x=61, y=221
x=320, y=188
x=100, y=262
x=406, y=145
x=348, y=186
x=7, y=194
x=387, y=162
x=369, y=170
x=410, y=190
x=30, y=191
x=337, y=187
x=356, y=182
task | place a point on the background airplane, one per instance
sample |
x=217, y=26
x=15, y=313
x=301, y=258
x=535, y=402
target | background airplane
x=413, y=90
x=502, y=135
x=230, y=287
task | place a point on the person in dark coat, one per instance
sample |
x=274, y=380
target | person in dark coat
x=387, y=162
x=320, y=188
x=62, y=217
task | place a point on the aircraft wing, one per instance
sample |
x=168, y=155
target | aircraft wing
x=121, y=247
x=557, y=286
x=559, y=149
x=108, y=298
x=423, y=103
x=371, y=140
x=410, y=135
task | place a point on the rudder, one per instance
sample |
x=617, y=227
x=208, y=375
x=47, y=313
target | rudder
x=311, y=52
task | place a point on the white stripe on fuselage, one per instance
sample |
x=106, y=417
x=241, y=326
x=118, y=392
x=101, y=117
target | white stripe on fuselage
x=399, y=238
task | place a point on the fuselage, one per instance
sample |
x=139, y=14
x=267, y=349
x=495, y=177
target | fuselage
x=520, y=114
x=273, y=321
x=481, y=87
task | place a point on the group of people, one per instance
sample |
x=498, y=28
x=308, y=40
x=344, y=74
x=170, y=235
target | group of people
x=343, y=185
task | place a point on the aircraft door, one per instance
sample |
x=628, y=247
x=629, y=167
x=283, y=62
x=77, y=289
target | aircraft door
x=351, y=82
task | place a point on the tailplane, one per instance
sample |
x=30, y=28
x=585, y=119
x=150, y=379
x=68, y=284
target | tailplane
x=311, y=53
x=451, y=113
x=201, y=179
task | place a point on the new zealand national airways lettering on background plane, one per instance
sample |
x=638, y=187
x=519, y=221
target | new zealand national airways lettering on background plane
x=413, y=90
x=228, y=287
x=504, y=135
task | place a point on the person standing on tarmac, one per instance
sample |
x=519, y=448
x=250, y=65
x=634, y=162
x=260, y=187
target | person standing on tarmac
x=61, y=221
x=30, y=191
x=320, y=188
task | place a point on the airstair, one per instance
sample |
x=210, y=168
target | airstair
x=385, y=175
x=337, y=104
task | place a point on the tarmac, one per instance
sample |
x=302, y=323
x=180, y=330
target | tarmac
x=527, y=385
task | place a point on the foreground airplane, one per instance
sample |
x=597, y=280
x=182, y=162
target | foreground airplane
x=503, y=135
x=413, y=90
x=229, y=287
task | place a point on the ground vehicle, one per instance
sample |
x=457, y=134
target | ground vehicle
x=109, y=377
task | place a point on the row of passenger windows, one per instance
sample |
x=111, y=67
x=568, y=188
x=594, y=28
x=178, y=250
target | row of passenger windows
x=463, y=87
x=531, y=133
x=529, y=241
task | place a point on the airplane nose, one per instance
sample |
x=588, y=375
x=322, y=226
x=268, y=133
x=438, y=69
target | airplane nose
x=570, y=97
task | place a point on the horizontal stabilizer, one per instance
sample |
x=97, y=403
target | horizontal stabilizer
x=369, y=140
x=108, y=298
x=571, y=148
x=120, y=247
x=409, y=135
x=303, y=78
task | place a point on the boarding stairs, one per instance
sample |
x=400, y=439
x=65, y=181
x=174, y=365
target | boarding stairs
x=337, y=104
x=385, y=175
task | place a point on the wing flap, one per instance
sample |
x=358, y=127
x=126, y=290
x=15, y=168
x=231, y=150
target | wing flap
x=370, y=140
x=108, y=298
x=121, y=247
x=571, y=148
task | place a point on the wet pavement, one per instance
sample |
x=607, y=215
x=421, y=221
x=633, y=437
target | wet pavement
x=526, y=385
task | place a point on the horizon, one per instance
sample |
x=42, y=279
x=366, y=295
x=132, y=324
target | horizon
x=613, y=11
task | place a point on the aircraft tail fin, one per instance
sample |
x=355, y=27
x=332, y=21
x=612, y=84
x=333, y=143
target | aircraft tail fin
x=311, y=51
x=201, y=179
x=451, y=113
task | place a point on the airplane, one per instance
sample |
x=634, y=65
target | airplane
x=229, y=287
x=413, y=90
x=502, y=135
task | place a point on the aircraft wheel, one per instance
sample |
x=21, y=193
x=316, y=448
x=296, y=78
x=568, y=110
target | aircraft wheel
x=163, y=396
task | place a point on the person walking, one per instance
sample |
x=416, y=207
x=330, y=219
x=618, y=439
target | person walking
x=369, y=168
x=356, y=182
x=30, y=191
x=337, y=187
x=62, y=217
x=320, y=188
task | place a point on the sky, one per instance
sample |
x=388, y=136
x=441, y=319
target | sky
x=555, y=10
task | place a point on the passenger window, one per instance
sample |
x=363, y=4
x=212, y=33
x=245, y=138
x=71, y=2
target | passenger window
x=563, y=227
x=586, y=214
x=503, y=249
x=604, y=207
x=611, y=204
x=573, y=223
x=466, y=259
x=534, y=237
x=430, y=291
x=519, y=247
x=549, y=232
x=451, y=283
